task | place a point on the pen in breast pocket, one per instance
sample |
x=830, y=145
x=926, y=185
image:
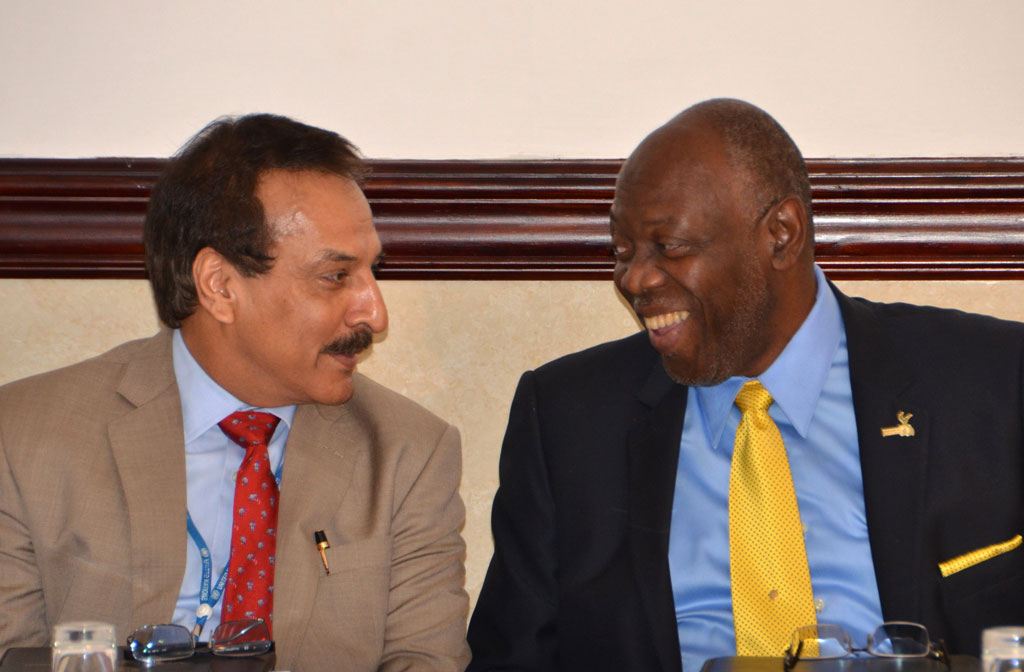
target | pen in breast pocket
x=322, y=545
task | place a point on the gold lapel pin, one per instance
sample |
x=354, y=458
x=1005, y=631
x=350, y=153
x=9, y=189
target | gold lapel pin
x=902, y=429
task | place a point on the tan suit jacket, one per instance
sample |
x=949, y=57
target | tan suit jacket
x=93, y=502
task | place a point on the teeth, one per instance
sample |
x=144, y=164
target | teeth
x=666, y=319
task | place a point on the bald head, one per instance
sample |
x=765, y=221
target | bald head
x=713, y=242
x=765, y=159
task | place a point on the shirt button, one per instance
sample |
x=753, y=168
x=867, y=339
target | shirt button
x=819, y=605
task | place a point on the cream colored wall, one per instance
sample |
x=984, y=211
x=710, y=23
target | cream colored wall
x=508, y=78
x=458, y=348
x=497, y=79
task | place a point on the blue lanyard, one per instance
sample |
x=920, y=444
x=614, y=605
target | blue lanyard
x=207, y=596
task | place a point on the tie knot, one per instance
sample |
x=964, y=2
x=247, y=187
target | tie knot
x=753, y=397
x=249, y=428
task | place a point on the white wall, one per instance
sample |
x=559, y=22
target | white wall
x=511, y=78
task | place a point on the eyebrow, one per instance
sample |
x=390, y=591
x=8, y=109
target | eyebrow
x=647, y=223
x=337, y=256
x=334, y=255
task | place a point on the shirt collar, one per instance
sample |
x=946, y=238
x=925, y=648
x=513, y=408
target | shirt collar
x=204, y=403
x=797, y=376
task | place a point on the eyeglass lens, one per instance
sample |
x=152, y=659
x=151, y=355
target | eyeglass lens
x=899, y=639
x=821, y=641
x=152, y=643
x=240, y=638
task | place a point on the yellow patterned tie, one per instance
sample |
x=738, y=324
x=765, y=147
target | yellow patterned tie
x=771, y=585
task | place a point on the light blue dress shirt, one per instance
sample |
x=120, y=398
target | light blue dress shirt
x=813, y=408
x=211, y=460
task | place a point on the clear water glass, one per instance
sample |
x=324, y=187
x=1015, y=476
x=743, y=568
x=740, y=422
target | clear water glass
x=84, y=646
x=1002, y=649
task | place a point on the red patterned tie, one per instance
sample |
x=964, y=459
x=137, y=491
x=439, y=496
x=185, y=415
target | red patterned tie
x=250, y=587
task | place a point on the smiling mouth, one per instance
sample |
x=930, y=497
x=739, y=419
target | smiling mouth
x=654, y=322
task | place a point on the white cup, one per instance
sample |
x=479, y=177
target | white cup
x=84, y=646
x=1002, y=649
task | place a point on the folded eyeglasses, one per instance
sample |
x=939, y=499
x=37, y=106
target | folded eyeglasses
x=894, y=639
x=159, y=643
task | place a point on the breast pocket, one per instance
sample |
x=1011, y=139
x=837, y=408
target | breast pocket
x=984, y=590
x=350, y=609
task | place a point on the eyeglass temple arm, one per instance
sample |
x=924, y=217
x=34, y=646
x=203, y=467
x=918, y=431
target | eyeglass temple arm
x=792, y=657
x=245, y=630
x=940, y=653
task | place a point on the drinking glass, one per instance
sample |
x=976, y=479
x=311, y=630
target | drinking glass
x=1002, y=649
x=84, y=646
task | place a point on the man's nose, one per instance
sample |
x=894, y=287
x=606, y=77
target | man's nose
x=369, y=308
x=639, y=274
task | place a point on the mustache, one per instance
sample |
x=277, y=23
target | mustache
x=360, y=339
x=642, y=302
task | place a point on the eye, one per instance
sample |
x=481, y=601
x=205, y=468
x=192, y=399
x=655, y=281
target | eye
x=621, y=250
x=336, y=278
x=674, y=248
x=375, y=265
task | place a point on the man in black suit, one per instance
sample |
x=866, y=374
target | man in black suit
x=903, y=427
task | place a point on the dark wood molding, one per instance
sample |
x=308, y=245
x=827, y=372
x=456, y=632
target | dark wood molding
x=543, y=219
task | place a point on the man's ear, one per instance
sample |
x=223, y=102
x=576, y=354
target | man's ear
x=216, y=282
x=790, y=232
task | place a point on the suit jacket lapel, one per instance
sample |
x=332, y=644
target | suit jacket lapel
x=148, y=447
x=653, y=456
x=893, y=467
x=316, y=477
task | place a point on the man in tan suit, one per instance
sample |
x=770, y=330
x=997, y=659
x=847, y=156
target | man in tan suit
x=261, y=251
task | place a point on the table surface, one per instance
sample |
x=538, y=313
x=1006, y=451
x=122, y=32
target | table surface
x=857, y=664
x=37, y=659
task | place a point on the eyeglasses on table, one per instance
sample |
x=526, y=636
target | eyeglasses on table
x=893, y=639
x=160, y=643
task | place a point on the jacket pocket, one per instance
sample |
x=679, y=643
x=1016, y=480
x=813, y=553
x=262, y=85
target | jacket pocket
x=348, y=619
x=982, y=595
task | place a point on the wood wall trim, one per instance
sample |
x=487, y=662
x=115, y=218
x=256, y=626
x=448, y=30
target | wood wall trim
x=540, y=219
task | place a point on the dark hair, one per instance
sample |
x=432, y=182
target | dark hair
x=756, y=143
x=206, y=197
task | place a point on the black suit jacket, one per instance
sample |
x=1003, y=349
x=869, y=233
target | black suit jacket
x=580, y=579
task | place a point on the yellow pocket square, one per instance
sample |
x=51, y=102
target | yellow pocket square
x=978, y=556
